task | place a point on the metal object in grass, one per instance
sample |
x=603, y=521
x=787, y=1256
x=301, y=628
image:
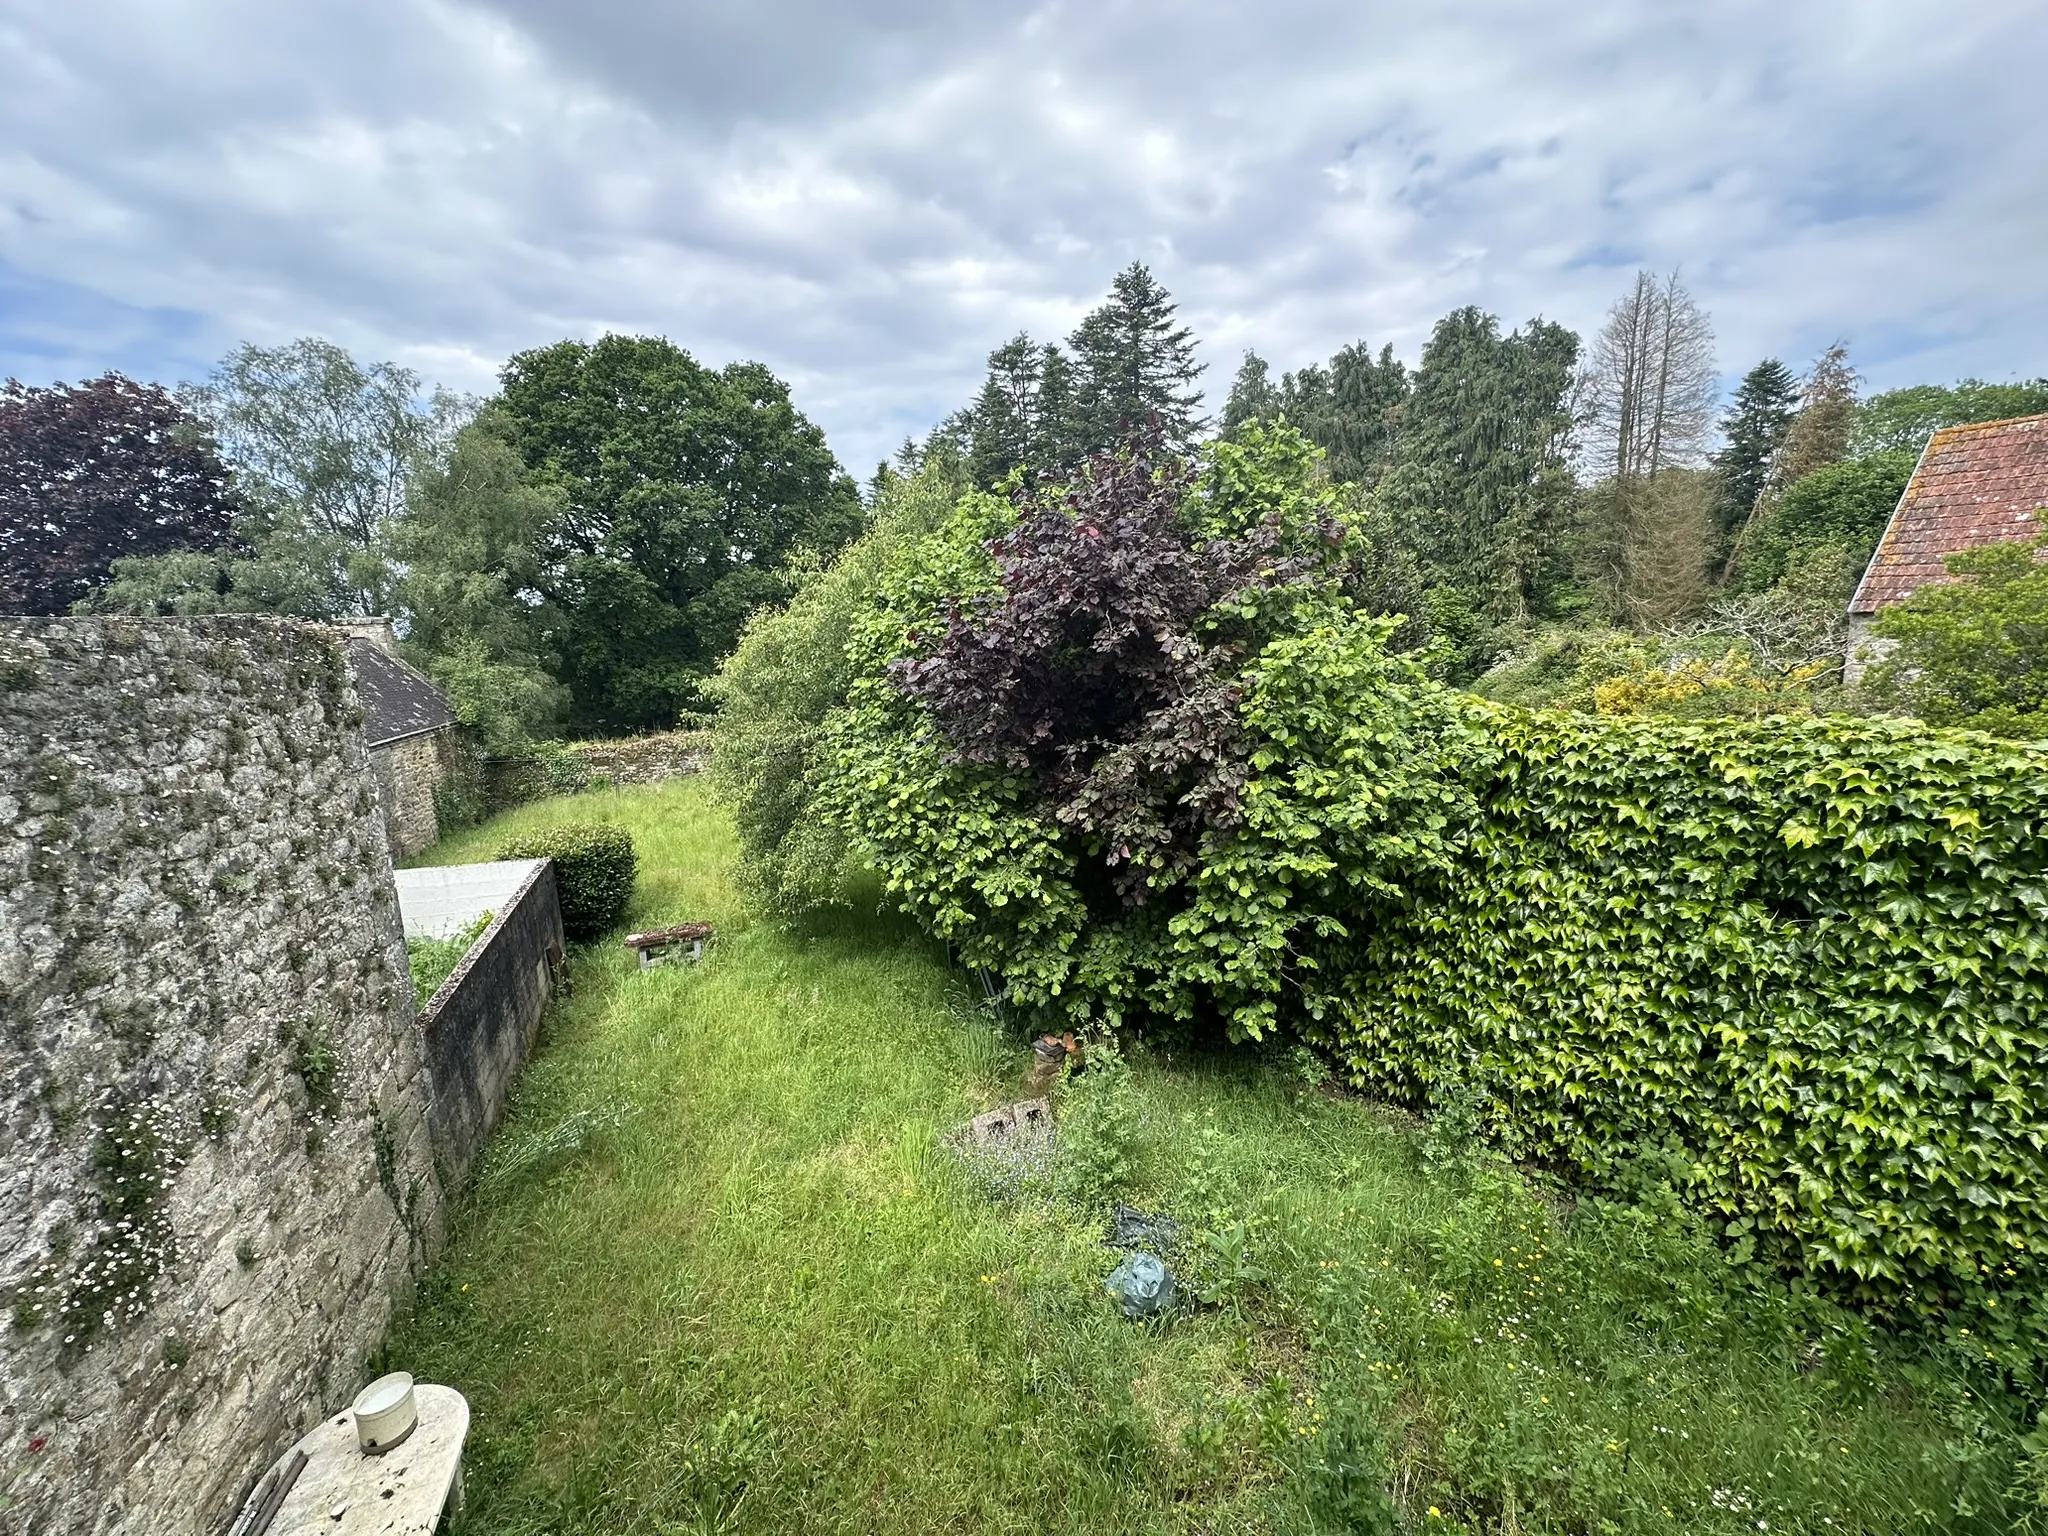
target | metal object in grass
x=682, y=944
x=1142, y=1286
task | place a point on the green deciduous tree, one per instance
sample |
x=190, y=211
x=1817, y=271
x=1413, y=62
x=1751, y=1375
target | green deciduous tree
x=323, y=448
x=1973, y=652
x=469, y=545
x=686, y=491
x=770, y=754
x=1901, y=420
x=1841, y=507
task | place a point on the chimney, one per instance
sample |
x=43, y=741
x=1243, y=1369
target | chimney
x=377, y=631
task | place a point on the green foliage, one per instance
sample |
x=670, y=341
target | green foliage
x=323, y=448
x=317, y=1060
x=1049, y=876
x=1352, y=409
x=1480, y=484
x=433, y=961
x=1133, y=365
x=789, y=672
x=1100, y=1135
x=469, y=544
x=595, y=867
x=1483, y=1345
x=1755, y=426
x=685, y=493
x=1901, y=420
x=1813, y=951
x=1841, y=508
x=1973, y=652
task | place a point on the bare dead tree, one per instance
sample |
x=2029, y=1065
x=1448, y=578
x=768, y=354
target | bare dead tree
x=1651, y=384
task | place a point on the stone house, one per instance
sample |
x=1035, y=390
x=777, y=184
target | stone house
x=410, y=731
x=1974, y=485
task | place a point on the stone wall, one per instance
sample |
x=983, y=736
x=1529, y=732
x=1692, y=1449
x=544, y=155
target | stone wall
x=408, y=773
x=568, y=768
x=215, y=1169
x=646, y=759
x=481, y=1023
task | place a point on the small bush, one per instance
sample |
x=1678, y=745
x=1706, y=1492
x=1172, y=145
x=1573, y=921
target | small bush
x=594, y=869
x=1099, y=1132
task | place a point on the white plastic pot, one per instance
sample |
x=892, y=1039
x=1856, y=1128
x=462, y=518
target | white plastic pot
x=386, y=1413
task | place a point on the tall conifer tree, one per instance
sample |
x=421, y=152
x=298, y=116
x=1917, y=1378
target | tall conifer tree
x=1755, y=427
x=1133, y=364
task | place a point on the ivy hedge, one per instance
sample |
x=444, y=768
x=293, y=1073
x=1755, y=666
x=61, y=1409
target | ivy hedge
x=1799, y=963
x=1809, y=958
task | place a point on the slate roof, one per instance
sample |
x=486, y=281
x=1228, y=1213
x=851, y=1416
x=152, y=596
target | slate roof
x=1978, y=484
x=398, y=702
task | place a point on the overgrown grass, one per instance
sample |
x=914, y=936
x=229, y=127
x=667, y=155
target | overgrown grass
x=433, y=961
x=719, y=1273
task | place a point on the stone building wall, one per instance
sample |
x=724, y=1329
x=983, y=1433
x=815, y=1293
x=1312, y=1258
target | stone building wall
x=215, y=1171
x=408, y=773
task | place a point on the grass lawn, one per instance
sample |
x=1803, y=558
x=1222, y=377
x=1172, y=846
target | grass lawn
x=719, y=1273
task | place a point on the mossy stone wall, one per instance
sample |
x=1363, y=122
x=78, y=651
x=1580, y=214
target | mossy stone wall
x=215, y=1176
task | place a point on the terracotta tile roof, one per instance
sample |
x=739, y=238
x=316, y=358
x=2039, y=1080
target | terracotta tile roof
x=1978, y=484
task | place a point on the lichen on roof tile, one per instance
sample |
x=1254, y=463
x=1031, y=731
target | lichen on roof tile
x=1976, y=484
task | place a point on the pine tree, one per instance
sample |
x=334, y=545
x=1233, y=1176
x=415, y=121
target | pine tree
x=1253, y=396
x=1002, y=434
x=1755, y=427
x=1366, y=398
x=1132, y=365
x=1817, y=437
x=1056, y=435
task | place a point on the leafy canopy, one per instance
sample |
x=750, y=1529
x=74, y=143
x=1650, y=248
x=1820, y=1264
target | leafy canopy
x=1973, y=652
x=685, y=493
x=107, y=471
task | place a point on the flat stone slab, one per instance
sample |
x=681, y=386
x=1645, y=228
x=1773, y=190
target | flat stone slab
x=400, y=1493
x=439, y=903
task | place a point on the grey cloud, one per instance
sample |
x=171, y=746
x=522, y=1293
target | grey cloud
x=870, y=198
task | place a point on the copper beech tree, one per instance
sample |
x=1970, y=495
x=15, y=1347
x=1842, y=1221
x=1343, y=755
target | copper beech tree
x=93, y=472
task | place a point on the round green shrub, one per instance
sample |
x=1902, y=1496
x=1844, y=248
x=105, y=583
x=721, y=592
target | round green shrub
x=594, y=869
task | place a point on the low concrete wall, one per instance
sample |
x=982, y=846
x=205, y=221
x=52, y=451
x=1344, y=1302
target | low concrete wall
x=481, y=1023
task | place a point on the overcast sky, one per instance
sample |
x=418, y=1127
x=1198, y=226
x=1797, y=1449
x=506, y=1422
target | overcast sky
x=869, y=197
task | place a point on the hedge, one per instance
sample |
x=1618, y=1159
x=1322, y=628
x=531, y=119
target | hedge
x=1804, y=960
x=594, y=871
x=1808, y=956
